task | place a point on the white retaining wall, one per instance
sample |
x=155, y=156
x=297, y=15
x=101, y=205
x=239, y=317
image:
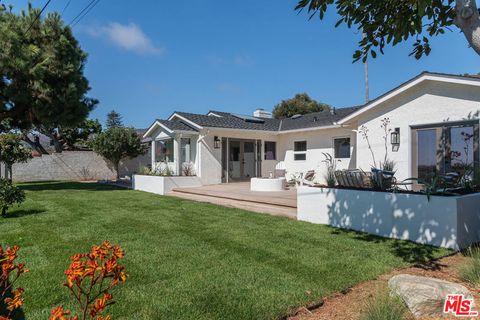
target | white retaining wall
x=163, y=185
x=450, y=222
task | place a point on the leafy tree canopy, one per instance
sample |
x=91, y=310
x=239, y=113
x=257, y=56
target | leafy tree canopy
x=79, y=136
x=12, y=150
x=116, y=144
x=392, y=22
x=300, y=104
x=42, y=82
x=114, y=120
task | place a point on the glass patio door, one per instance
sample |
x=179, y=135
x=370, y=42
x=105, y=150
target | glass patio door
x=241, y=160
x=446, y=148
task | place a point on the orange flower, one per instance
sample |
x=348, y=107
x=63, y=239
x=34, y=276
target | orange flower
x=100, y=304
x=17, y=300
x=59, y=313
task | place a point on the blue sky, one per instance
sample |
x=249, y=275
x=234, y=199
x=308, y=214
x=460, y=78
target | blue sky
x=150, y=58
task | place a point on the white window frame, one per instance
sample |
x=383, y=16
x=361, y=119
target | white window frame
x=300, y=152
x=333, y=146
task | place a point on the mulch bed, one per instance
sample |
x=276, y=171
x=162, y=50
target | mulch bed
x=348, y=305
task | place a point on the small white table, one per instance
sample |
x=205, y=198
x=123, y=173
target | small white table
x=267, y=184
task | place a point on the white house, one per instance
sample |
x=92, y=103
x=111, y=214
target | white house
x=431, y=116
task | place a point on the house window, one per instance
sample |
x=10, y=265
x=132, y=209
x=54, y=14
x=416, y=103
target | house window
x=270, y=150
x=300, y=150
x=185, y=150
x=164, y=150
x=341, y=147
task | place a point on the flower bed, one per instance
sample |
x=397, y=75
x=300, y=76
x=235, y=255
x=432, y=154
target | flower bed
x=163, y=185
x=450, y=222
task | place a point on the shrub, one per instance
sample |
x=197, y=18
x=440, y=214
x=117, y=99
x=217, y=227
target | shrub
x=10, y=299
x=9, y=195
x=90, y=278
x=188, y=169
x=144, y=170
x=383, y=306
x=331, y=168
x=470, y=272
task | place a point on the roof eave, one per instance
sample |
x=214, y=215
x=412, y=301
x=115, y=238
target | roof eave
x=186, y=120
x=333, y=126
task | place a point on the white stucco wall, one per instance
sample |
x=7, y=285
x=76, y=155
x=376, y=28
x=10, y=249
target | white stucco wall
x=318, y=142
x=450, y=222
x=162, y=185
x=210, y=159
x=427, y=103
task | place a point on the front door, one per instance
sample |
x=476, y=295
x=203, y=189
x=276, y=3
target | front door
x=241, y=160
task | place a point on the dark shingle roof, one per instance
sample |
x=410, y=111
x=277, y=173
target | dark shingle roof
x=316, y=119
x=176, y=125
x=235, y=121
x=229, y=121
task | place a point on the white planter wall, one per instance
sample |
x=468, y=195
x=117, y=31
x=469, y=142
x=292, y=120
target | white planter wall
x=163, y=185
x=450, y=222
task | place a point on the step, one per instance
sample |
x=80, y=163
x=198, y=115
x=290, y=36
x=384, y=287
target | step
x=255, y=206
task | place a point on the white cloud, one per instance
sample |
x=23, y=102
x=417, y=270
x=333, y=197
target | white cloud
x=129, y=37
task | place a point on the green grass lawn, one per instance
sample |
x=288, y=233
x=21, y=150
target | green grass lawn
x=190, y=260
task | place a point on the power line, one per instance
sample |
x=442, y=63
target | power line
x=90, y=9
x=38, y=16
x=66, y=6
x=84, y=12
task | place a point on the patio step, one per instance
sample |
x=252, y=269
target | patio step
x=275, y=209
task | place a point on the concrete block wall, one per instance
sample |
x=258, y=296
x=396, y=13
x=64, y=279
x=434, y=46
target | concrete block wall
x=68, y=165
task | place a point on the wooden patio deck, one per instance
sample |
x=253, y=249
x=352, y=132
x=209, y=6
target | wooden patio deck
x=238, y=195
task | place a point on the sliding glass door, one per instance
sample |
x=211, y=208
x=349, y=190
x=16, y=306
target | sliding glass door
x=445, y=148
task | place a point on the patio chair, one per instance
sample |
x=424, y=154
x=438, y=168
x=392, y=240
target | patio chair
x=280, y=171
x=353, y=178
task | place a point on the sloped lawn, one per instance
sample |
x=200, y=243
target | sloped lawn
x=190, y=260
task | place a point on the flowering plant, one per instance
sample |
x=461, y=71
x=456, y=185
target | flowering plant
x=11, y=298
x=90, y=278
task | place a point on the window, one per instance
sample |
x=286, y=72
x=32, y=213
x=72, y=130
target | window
x=164, y=150
x=270, y=150
x=300, y=150
x=185, y=150
x=446, y=148
x=341, y=147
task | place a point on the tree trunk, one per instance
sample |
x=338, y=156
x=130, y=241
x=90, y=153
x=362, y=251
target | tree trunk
x=10, y=172
x=56, y=143
x=34, y=145
x=468, y=20
x=116, y=165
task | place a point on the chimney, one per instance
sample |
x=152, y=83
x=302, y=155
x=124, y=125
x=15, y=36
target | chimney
x=260, y=113
x=333, y=111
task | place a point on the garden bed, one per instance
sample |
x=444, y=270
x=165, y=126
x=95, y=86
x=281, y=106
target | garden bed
x=163, y=185
x=450, y=222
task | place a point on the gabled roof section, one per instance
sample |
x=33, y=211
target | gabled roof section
x=170, y=126
x=228, y=121
x=424, y=76
x=176, y=125
x=316, y=119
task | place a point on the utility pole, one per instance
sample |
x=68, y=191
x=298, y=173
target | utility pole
x=365, y=67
